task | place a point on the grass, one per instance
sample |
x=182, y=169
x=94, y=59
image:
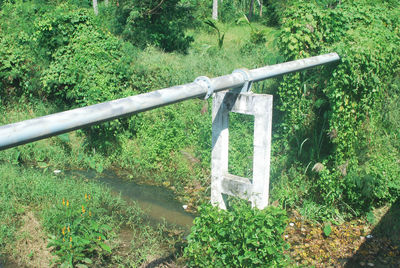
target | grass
x=28, y=191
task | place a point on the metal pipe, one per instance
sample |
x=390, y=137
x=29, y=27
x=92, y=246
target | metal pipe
x=43, y=127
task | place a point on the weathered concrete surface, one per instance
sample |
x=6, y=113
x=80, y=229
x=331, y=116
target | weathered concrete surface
x=256, y=189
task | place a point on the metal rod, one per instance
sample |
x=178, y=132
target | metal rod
x=43, y=127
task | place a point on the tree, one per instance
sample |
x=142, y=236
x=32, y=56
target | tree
x=95, y=7
x=251, y=9
x=215, y=10
x=260, y=4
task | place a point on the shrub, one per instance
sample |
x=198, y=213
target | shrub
x=19, y=70
x=157, y=23
x=89, y=70
x=238, y=237
x=331, y=113
x=57, y=26
x=79, y=236
x=273, y=11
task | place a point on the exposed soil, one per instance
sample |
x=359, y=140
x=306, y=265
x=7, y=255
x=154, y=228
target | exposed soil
x=30, y=249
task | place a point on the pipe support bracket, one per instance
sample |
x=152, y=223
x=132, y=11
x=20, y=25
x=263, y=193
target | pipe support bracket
x=247, y=78
x=205, y=81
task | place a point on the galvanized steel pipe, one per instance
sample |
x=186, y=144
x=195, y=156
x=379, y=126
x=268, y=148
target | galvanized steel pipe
x=43, y=127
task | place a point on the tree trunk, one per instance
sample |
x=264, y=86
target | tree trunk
x=95, y=7
x=260, y=4
x=251, y=9
x=215, y=10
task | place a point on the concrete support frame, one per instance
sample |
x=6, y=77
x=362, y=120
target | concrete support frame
x=256, y=190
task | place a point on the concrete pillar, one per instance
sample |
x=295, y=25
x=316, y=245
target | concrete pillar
x=256, y=189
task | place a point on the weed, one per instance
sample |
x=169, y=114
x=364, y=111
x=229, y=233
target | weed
x=82, y=226
x=81, y=236
x=220, y=35
x=238, y=237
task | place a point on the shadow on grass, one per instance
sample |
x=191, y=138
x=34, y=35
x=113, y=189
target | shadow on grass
x=382, y=248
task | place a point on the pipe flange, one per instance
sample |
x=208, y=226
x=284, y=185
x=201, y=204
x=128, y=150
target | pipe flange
x=247, y=84
x=205, y=81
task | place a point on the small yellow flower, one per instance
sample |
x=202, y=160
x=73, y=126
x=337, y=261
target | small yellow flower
x=67, y=203
x=63, y=202
x=99, y=238
x=63, y=239
x=70, y=239
x=90, y=213
x=63, y=230
x=83, y=210
x=89, y=197
x=85, y=196
x=68, y=229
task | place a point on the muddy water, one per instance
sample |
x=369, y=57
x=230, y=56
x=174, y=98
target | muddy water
x=157, y=202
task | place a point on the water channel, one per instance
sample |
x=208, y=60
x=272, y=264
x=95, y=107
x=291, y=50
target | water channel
x=157, y=202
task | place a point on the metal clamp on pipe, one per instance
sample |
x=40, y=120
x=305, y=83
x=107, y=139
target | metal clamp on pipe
x=204, y=80
x=247, y=84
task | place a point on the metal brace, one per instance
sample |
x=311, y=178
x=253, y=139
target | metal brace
x=247, y=84
x=207, y=81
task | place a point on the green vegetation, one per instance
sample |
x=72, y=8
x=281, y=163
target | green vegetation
x=82, y=219
x=336, y=144
x=81, y=235
x=335, y=119
x=238, y=237
x=150, y=22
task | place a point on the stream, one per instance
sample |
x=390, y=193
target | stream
x=157, y=202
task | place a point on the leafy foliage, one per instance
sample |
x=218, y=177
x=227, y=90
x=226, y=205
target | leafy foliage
x=220, y=36
x=151, y=22
x=19, y=70
x=238, y=237
x=89, y=70
x=79, y=236
x=331, y=113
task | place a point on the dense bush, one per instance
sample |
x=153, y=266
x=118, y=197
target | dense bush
x=89, y=70
x=19, y=64
x=161, y=24
x=331, y=114
x=238, y=237
x=273, y=11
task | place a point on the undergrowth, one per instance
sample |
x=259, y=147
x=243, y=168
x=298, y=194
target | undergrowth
x=82, y=219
